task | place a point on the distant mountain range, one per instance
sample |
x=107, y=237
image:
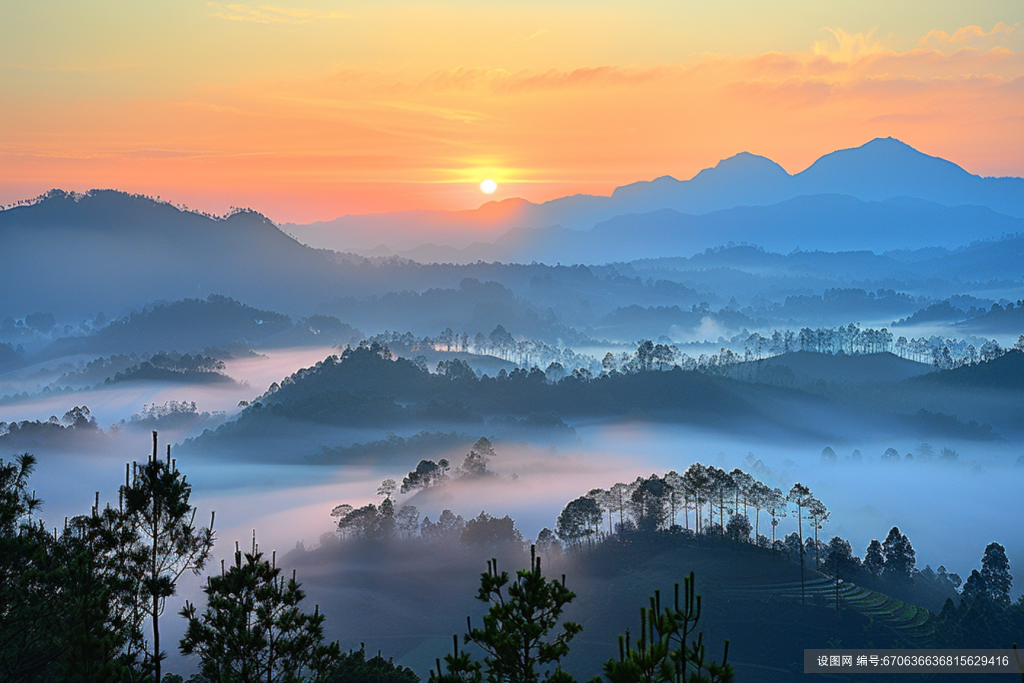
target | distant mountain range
x=819, y=222
x=884, y=171
x=75, y=255
x=104, y=250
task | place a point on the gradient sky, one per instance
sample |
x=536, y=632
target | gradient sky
x=311, y=110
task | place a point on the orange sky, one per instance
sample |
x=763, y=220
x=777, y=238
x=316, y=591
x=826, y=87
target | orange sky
x=309, y=113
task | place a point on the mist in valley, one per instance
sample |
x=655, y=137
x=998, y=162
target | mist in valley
x=950, y=511
x=387, y=423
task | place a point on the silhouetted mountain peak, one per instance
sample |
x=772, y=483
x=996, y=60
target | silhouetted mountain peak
x=739, y=169
x=504, y=209
x=746, y=163
x=112, y=208
x=879, y=157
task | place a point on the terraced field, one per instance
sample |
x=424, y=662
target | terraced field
x=911, y=621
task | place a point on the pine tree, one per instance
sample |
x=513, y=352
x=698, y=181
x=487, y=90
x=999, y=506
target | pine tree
x=661, y=653
x=156, y=500
x=29, y=579
x=899, y=556
x=103, y=627
x=253, y=629
x=995, y=572
x=801, y=496
x=874, y=558
x=65, y=600
x=514, y=636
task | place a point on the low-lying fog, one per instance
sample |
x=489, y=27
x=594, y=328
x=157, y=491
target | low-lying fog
x=116, y=402
x=950, y=512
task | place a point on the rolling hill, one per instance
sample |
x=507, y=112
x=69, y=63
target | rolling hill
x=106, y=250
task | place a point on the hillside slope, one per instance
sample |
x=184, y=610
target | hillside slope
x=105, y=250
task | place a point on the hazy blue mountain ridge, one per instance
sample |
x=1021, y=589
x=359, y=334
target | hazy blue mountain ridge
x=879, y=170
x=820, y=222
x=105, y=250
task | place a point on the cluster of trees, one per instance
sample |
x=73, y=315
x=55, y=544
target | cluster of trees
x=499, y=343
x=947, y=354
x=925, y=453
x=848, y=339
x=76, y=421
x=703, y=503
x=944, y=353
x=79, y=420
x=76, y=601
x=720, y=503
x=386, y=521
x=85, y=602
x=169, y=415
x=170, y=362
x=941, y=352
x=380, y=523
x=984, y=614
x=663, y=356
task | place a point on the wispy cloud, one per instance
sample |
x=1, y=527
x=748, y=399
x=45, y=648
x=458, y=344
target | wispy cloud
x=846, y=47
x=975, y=36
x=266, y=14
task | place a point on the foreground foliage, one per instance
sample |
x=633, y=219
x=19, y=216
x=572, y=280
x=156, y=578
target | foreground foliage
x=253, y=629
x=661, y=653
x=515, y=630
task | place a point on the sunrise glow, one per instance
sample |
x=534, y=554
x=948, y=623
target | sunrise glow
x=314, y=112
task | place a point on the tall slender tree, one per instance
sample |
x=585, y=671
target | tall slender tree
x=156, y=500
x=618, y=500
x=801, y=496
x=819, y=515
x=676, y=494
x=697, y=482
x=776, y=506
x=743, y=487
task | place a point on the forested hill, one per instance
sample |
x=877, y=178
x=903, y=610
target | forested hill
x=194, y=325
x=104, y=250
x=807, y=367
x=366, y=388
x=189, y=325
x=1005, y=372
x=368, y=371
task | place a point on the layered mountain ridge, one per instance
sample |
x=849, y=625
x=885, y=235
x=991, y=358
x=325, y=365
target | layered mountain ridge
x=882, y=169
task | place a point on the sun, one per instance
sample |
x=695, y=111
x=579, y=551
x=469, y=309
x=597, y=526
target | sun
x=488, y=186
